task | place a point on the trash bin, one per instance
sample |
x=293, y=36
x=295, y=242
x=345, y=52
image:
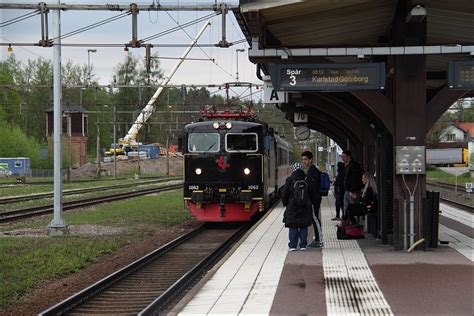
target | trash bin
x=431, y=219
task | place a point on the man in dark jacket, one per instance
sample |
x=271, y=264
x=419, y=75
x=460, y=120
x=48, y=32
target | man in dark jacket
x=352, y=178
x=314, y=182
x=339, y=190
x=297, y=216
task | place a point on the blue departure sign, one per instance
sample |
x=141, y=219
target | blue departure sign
x=461, y=74
x=328, y=77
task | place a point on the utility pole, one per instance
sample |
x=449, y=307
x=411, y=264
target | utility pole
x=89, y=51
x=98, y=147
x=69, y=147
x=57, y=225
x=167, y=153
x=115, y=146
x=237, y=51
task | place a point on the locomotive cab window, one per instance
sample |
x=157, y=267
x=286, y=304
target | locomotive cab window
x=203, y=142
x=235, y=142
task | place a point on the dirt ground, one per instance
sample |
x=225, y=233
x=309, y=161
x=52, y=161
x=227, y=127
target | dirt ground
x=149, y=167
x=48, y=293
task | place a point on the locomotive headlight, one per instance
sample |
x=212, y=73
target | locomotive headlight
x=215, y=125
x=246, y=171
x=198, y=171
x=228, y=125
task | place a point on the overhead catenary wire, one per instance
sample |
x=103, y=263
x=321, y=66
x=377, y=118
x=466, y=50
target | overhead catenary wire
x=19, y=18
x=92, y=26
x=199, y=46
x=173, y=29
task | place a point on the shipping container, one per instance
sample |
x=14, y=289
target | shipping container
x=444, y=156
x=19, y=166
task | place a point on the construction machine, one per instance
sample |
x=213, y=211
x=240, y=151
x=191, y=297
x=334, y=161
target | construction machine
x=129, y=142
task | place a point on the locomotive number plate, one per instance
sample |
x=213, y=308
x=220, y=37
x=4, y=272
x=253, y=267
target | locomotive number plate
x=253, y=187
x=194, y=187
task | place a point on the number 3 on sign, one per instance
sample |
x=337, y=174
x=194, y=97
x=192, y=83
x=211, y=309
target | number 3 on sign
x=301, y=118
x=292, y=80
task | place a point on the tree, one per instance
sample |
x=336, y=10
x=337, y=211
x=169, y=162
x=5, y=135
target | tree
x=10, y=97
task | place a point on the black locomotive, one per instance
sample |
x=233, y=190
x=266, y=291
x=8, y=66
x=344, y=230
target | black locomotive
x=233, y=166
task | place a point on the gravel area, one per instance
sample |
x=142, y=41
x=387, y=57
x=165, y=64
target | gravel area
x=85, y=230
x=48, y=293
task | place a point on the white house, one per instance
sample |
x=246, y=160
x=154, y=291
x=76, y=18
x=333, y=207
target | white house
x=453, y=134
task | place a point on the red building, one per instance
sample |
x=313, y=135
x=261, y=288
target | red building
x=75, y=131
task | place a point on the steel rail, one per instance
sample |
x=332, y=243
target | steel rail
x=41, y=210
x=35, y=196
x=74, y=300
x=160, y=302
x=69, y=304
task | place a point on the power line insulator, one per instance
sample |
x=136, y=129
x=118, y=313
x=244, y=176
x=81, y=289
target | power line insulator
x=148, y=57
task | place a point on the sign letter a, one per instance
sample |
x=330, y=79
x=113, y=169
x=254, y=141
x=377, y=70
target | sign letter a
x=274, y=96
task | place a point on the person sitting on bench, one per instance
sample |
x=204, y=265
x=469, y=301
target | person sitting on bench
x=356, y=208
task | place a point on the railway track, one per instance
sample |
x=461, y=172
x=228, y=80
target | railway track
x=146, y=286
x=449, y=186
x=41, y=210
x=462, y=206
x=448, y=194
x=35, y=196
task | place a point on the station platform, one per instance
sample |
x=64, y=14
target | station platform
x=346, y=277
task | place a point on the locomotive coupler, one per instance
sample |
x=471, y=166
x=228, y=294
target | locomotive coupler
x=222, y=204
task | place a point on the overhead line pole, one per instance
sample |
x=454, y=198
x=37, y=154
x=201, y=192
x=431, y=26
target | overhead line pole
x=57, y=225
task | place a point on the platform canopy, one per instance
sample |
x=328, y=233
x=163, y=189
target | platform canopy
x=294, y=24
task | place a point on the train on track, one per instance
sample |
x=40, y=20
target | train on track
x=234, y=166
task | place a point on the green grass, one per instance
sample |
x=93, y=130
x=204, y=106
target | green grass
x=163, y=209
x=25, y=261
x=31, y=189
x=441, y=176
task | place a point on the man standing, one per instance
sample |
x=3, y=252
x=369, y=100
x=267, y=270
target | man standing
x=352, y=178
x=313, y=176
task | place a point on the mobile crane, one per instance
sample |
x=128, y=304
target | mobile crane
x=129, y=141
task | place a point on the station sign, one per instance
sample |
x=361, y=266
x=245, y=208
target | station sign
x=300, y=117
x=328, y=77
x=469, y=187
x=461, y=74
x=270, y=95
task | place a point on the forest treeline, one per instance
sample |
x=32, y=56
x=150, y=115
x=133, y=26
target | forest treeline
x=26, y=95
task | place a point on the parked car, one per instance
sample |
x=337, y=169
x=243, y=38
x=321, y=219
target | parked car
x=5, y=173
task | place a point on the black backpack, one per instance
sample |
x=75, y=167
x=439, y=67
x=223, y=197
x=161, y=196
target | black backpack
x=300, y=192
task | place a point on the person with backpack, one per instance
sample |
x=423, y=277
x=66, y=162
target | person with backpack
x=314, y=182
x=297, y=215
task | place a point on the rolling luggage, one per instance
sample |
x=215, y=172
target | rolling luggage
x=350, y=232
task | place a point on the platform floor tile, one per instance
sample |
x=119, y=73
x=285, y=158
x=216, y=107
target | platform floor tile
x=350, y=286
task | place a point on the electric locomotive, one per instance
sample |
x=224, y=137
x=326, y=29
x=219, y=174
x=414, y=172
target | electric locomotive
x=234, y=166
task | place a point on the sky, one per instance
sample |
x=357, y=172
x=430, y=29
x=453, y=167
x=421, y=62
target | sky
x=105, y=60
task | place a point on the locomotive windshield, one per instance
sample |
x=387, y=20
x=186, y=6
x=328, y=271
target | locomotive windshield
x=203, y=142
x=241, y=142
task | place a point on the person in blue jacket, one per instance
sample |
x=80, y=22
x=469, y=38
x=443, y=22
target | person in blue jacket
x=297, y=215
